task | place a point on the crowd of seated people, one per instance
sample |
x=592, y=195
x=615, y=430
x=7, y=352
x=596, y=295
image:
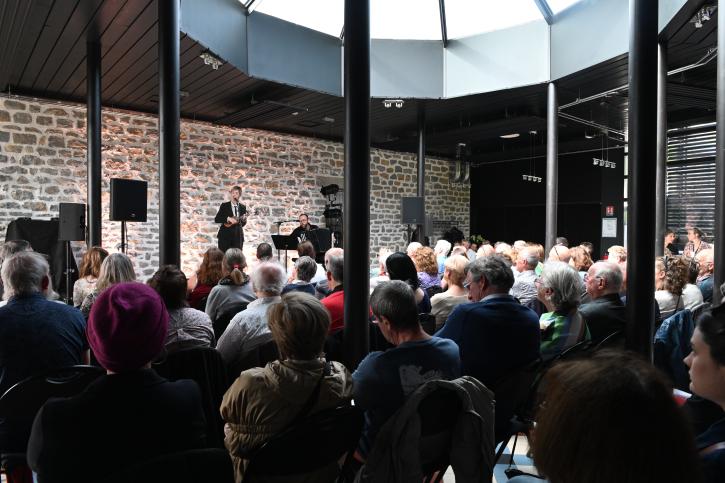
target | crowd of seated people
x=487, y=325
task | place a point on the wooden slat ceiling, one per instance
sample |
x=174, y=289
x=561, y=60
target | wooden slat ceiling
x=44, y=48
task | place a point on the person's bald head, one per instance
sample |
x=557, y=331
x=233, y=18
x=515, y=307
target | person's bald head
x=559, y=253
x=603, y=278
x=333, y=252
x=526, y=259
x=706, y=261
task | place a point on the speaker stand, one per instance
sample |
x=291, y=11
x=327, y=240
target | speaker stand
x=408, y=233
x=123, y=237
x=68, y=271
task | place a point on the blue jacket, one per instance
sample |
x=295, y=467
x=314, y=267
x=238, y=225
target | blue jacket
x=495, y=337
x=672, y=345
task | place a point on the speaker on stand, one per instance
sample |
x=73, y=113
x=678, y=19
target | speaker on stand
x=128, y=203
x=412, y=212
x=72, y=227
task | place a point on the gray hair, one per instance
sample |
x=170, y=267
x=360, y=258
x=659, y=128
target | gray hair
x=306, y=268
x=269, y=277
x=116, y=268
x=495, y=269
x=611, y=274
x=395, y=300
x=565, y=283
x=442, y=247
x=531, y=256
x=23, y=274
x=335, y=266
x=11, y=247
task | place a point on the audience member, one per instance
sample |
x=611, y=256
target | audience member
x=263, y=401
x=560, y=290
x=401, y=267
x=383, y=380
x=443, y=303
x=559, y=253
x=36, y=334
x=88, y=274
x=670, y=279
x=589, y=247
x=706, y=265
x=580, y=260
x=707, y=374
x=605, y=314
x=425, y=264
x=695, y=242
x=10, y=248
x=188, y=327
x=670, y=238
x=540, y=253
x=458, y=250
x=335, y=302
x=412, y=247
x=501, y=247
x=116, y=268
x=322, y=290
x=382, y=275
x=307, y=249
x=617, y=254
x=264, y=252
x=519, y=245
x=249, y=329
x=691, y=295
x=127, y=416
x=234, y=291
x=524, y=288
x=305, y=269
x=495, y=333
x=441, y=250
x=485, y=250
x=562, y=241
x=206, y=277
x=471, y=248
x=611, y=418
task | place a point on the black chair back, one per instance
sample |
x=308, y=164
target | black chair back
x=22, y=401
x=513, y=394
x=428, y=323
x=315, y=442
x=193, y=466
x=257, y=357
x=201, y=304
x=221, y=322
x=438, y=412
x=434, y=290
x=206, y=367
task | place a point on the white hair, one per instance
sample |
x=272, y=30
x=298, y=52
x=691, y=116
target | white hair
x=412, y=247
x=269, y=277
x=566, y=284
x=23, y=274
x=442, y=247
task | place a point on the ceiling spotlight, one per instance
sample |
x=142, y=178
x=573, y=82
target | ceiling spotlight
x=595, y=161
x=328, y=119
x=211, y=60
x=388, y=103
x=703, y=15
x=612, y=165
x=524, y=177
x=513, y=135
x=538, y=180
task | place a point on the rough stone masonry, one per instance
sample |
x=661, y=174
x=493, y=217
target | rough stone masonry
x=43, y=162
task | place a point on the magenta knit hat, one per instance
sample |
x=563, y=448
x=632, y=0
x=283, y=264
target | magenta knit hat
x=127, y=326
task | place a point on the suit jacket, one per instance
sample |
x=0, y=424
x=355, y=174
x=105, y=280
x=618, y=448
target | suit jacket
x=117, y=421
x=604, y=316
x=495, y=336
x=229, y=234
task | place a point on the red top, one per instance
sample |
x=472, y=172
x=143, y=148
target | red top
x=199, y=292
x=335, y=305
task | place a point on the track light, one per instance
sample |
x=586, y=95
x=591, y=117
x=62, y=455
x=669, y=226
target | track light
x=211, y=60
x=388, y=103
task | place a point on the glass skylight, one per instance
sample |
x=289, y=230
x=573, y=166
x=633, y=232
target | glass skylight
x=412, y=19
x=465, y=17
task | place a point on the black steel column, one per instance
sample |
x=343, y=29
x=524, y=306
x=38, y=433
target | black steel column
x=421, y=162
x=357, y=179
x=642, y=166
x=169, y=112
x=719, y=164
x=661, y=196
x=552, y=165
x=93, y=142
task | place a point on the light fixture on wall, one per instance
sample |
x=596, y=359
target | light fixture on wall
x=388, y=103
x=211, y=60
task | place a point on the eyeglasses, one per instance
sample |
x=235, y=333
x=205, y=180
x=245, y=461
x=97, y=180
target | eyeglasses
x=467, y=284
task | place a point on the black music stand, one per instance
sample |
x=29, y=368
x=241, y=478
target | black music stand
x=284, y=242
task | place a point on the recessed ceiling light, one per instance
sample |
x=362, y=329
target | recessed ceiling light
x=513, y=135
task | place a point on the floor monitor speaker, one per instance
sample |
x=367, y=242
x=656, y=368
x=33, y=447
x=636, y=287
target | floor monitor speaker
x=128, y=199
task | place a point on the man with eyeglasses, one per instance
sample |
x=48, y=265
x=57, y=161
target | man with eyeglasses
x=495, y=333
x=605, y=314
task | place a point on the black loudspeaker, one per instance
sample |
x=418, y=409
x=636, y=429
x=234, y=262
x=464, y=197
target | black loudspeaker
x=72, y=222
x=412, y=210
x=128, y=199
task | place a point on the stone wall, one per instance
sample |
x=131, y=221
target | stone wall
x=43, y=162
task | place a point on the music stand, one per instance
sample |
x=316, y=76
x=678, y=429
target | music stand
x=284, y=242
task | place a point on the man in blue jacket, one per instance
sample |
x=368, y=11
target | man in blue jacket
x=495, y=333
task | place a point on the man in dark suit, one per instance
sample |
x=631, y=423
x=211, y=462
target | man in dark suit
x=232, y=216
x=605, y=314
x=495, y=333
x=127, y=416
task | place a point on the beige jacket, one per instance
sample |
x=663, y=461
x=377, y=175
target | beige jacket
x=264, y=400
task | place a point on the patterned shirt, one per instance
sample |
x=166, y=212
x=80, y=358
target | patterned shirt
x=247, y=330
x=559, y=332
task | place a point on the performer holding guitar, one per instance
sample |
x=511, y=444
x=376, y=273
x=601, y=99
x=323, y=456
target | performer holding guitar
x=232, y=216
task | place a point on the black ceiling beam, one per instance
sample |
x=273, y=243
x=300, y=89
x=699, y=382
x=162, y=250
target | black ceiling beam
x=545, y=10
x=444, y=29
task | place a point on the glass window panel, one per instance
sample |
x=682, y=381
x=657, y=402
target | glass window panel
x=559, y=5
x=466, y=17
x=405, y=19
x=325, y=16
